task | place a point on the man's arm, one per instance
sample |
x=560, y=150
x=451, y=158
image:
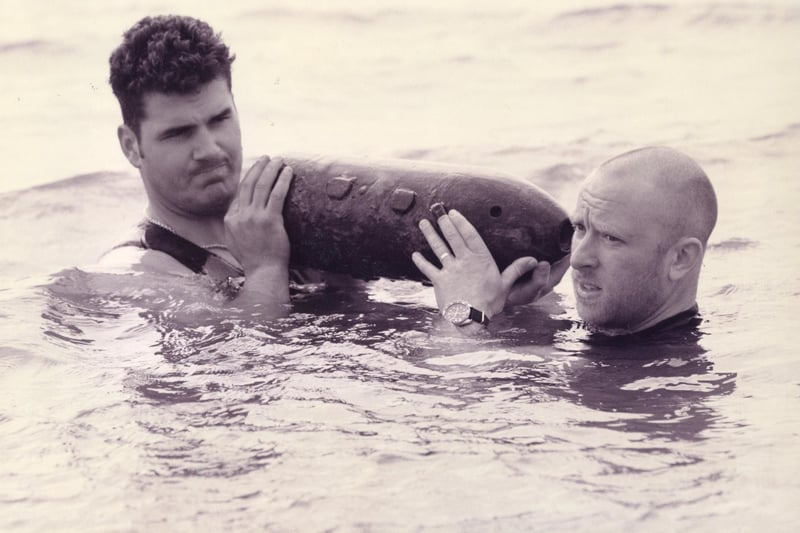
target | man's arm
x=469, y=273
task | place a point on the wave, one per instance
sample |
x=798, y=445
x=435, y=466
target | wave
x=83, y=193
x=32, y=45
x=79, y=194
x=718, y=14
x=733, y=244
x=323, y=15
x=736, y=14
x=70, y=183
x=68, y=222
x=703, y=14
x=617, y=11
x=789, y=131
x=587, y=47
x=562, y=172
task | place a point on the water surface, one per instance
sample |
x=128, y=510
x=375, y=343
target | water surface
x=135, y=403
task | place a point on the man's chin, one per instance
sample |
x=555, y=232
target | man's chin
x=215, y=206
x=602, y=321
x=592, y=316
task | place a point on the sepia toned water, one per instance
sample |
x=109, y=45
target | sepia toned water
x=135, y=403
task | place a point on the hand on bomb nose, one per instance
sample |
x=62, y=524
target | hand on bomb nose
x=469, y=273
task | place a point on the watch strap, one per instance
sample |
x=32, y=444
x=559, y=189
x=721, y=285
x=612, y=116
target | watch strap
x=478, y=316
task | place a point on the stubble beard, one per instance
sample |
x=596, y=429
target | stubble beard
x=616, y=310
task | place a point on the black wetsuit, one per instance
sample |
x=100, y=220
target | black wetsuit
x=682, y=329
x=677, y=328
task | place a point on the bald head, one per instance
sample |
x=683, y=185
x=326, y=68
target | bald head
x=675, y=186
x=642, y=222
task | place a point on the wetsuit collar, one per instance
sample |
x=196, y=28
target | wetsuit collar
x=685, y=321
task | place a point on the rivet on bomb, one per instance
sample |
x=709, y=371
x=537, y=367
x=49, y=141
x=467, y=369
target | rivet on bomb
x=402, y=200
x=337, y=188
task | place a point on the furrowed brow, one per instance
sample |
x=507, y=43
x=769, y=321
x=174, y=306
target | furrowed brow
x=578, y=215
x=225, y=113
x=177, y=130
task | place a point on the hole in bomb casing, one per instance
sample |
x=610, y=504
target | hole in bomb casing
x=495, y=211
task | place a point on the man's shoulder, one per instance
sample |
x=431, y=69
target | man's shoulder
x=133, y=254
x=133, y=259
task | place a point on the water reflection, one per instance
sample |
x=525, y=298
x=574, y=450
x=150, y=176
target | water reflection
x=379, y=381
x=657, y=385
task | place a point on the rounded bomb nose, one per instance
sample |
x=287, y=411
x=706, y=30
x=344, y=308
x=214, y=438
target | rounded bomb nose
x=565, y=236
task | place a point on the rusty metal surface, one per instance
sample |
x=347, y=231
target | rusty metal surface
x=360, y=216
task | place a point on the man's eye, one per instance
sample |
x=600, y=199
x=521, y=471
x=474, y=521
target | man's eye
x=578, y=227
x=610, y=238
x=175, y=134
x=221, y=118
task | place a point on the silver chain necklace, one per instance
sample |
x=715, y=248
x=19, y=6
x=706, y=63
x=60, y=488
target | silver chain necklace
x=231, y=283
x=209, y=247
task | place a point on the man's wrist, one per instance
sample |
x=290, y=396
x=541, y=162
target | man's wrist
x=268, y=269
x=269, y=281
x=462, y=314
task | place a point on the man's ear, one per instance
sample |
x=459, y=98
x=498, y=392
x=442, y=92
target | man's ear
x=130, y=145
x=686, y=255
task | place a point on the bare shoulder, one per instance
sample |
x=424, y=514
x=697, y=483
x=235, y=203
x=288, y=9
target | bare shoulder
x=127, y=259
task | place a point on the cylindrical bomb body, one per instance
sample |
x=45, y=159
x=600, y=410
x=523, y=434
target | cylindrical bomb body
x=360, y=216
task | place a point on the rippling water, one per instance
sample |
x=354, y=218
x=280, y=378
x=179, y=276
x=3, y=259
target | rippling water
x=134, y=403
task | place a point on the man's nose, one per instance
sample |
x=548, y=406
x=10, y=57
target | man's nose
x=584, y=253
x=206, y=145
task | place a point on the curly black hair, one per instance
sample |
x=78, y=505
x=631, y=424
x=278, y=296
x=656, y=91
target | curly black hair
x=169, y=54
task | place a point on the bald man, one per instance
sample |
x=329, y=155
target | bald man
x=642, y=223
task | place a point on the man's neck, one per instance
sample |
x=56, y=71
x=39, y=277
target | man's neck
x=667, y=311
x=203, y=231
x=681, y=329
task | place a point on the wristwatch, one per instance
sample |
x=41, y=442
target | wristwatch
x=461, y=313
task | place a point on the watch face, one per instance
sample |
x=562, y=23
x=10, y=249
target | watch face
x=457, y=313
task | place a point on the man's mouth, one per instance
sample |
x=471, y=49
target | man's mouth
x=211, y=168
x=585, y=290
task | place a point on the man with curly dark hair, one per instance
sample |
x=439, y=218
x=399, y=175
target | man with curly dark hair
x=172, y=77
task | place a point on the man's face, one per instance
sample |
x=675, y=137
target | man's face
x=618, y=260
x=191, y=150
